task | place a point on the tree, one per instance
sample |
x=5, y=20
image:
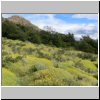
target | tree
x=87, y=44
x=49, y=29
x=12, y=31
x=34, y=37
x=49, y=37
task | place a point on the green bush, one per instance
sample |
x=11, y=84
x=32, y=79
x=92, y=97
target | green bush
x=52, y=77
x=8, y=78
x=10, y=59
x=86, y=65
x=82, y=78
x=42, y=65
x=37, y=67
x=87, y=56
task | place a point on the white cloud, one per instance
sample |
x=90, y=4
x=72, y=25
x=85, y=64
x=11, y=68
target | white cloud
x=60, y=25
x=88, y=16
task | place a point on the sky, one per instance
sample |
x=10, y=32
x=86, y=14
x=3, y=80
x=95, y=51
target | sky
x=78, y=24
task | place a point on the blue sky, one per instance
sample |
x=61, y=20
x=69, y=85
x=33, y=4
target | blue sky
x=78, y=24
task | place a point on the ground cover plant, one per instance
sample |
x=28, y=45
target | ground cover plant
x=25, y=64
x=37, y=57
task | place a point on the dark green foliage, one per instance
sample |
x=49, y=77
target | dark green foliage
x=7, y=59
x=96, y=65
x=87, y=44
x=12, y=31
x=87, y=56
x=96, y=76
x=25, y=33
x=69, y=39
x=37, y=67
x=34, y=37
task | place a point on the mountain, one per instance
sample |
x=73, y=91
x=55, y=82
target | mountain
x=22, y=21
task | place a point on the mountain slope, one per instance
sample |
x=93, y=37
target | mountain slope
x=16, y=27
x=29, y=64
x=22, y=21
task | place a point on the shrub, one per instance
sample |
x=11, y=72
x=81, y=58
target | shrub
x=41, y=65
x=11, y=59
x=19, y=68
x=37, y=67
x=87, y=56
x=96, y=76
x=55, y=64
x=86, y=66
x=20, y=44
x=96, y=63
x=89, y=66
x=52, y=77
x=82, y=78
x=29, y=51
x=65, y=65
x=7, y=60
x=8, y=78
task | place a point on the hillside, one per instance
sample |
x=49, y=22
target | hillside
x=18, y=28
x=22, y=21
x=30, y=64
x=36, y=57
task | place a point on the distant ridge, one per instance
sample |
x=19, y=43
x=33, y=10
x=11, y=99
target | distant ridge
x=22, y=21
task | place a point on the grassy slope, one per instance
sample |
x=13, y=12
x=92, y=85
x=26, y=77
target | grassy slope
x=28, y=64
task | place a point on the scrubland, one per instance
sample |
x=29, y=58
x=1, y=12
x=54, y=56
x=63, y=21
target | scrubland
x=30, y=64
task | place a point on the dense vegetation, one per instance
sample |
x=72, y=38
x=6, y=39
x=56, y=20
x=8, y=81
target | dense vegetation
x=32, y=57
x=49, y=37
x=28, y=64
